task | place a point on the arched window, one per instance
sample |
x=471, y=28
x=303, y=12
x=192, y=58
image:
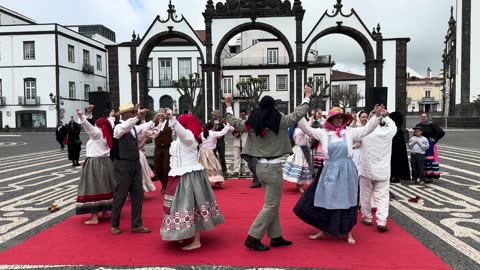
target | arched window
x=182, y=104
x=150, y=103
x=166, y=102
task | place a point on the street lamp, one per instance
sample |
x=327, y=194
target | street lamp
x=57, y=101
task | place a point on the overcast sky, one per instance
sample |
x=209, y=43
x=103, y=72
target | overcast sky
x=424, y=21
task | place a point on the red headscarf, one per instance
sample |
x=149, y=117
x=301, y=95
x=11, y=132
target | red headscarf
x=106, y=128
x=191, y=123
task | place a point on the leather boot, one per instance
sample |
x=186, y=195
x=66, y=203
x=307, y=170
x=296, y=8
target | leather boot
x=279, y=241
x=255, y=244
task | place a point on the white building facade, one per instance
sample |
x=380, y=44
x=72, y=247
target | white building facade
x=46, y=72
x=341, y=81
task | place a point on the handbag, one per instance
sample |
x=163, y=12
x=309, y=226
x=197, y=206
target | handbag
x=77, y=142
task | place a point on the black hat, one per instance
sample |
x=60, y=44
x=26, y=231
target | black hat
x=417, y=127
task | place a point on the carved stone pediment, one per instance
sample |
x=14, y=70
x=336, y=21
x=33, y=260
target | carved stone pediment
x=246, y=5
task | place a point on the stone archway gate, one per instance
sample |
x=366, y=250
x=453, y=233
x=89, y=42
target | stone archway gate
x=385, y=58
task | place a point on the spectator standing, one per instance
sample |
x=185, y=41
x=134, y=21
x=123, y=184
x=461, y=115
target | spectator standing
x=418, y=145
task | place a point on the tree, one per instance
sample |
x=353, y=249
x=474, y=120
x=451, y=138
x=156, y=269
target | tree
x=477, y=100
x=251, y=90
x=319, y=91
x=346, y=96
x=193, y=91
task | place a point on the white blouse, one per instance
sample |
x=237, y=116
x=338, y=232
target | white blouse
x=97, y=145
x=211, y=141
x=183, y=151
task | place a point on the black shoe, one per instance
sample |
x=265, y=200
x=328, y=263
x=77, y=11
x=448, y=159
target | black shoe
x=382, y=228
x=279, y=241
x=255, y=244
x=256, y=185
x=395, y=180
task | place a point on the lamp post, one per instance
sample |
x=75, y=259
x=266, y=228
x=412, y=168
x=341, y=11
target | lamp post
x=58, y=102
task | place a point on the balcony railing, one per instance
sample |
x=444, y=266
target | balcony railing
x=165, y=83
x=254, y=61
x=3, y=101
x=28, y=101
x=428, y=98
x=235, y=93
x=88, y=68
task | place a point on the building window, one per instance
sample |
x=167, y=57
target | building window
x=245, y=79
x=99, y=62
x=272, y=56
x=184, y=68
x=99, y=89
x=150, y=72
x=352, y=88
x=199, y=67
x=282, y=83
x=71, y=90
x=30, y=89
x=86, y=57
x=265, y=85
x=427, y=93
x=86, y=90
x=318, y=81
x=71, y=54
x=227, y=85
x=165, y=71
x=29, y=50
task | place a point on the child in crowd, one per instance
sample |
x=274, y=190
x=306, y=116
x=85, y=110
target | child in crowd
x=418, y=145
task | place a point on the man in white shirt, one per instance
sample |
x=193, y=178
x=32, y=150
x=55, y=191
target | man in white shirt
x=127, y=168
x=374, y=173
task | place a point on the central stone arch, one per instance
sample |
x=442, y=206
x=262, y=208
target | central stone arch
x=252, y=15
x=252, y=26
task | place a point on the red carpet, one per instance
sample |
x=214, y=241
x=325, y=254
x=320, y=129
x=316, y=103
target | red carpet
x=73, y=243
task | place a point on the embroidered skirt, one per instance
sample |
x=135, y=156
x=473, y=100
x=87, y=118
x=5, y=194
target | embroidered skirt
x=297, y=167
x=212, y=166
x=432, y=166
x=96, y=186
x=189, y=206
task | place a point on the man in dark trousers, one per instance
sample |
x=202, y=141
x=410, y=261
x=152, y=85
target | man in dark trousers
x=127, y=168
x=220, y=150
x=163, y=138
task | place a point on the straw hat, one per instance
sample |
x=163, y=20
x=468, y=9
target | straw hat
x=126, y=107
x=338, y=111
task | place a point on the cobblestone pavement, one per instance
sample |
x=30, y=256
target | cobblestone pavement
x=34, y=173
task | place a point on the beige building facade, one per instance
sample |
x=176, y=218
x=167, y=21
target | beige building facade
x=425, y=94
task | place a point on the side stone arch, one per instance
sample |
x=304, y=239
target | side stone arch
x=142, y=69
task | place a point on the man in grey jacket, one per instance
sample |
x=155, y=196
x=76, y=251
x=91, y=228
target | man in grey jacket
x=268, y=142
